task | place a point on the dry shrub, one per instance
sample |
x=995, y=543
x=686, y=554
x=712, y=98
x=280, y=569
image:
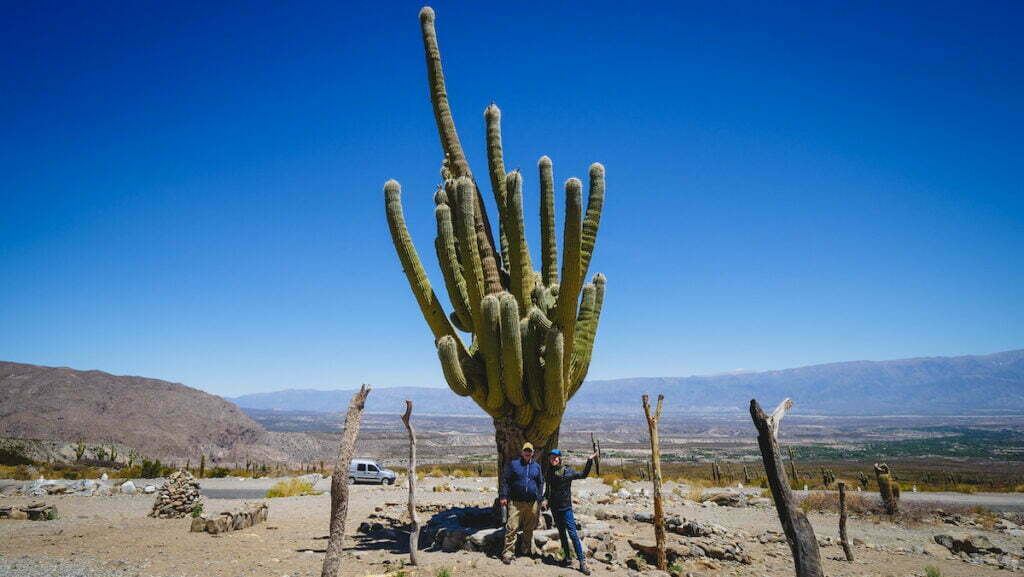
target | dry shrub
x=436, y=472
x=290, y=488
x=829, y=501
x=694, y=489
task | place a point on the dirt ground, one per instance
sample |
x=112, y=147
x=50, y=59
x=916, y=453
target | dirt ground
x=114, y=536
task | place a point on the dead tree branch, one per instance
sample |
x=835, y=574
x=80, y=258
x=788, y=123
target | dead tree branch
x=339, y=483
x=798, y=530
x=659, y=510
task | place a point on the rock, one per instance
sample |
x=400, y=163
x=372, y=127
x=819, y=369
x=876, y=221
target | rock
x=453, y=540
x=936, y=550
x=149, y=489
x=104, y=477
x=727, y=499
x=623, y=494
x=967, y=543
x=127, y=488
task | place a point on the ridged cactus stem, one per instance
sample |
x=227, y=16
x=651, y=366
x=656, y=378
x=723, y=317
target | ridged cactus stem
x=472, y=270
x=450, y=137
x=586, y=334
x=521, y=278
x=548, y=238
x=490, y=348
x=496, y=169
x=511, y=351
x=569, y=287
x=428, y=302
x=595, y=204
x=451, y=365
x=451, y=268
x=536, y=332
x=554, y=376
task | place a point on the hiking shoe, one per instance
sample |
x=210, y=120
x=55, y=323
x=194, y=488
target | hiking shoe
x=584, y=569
x=506, y=560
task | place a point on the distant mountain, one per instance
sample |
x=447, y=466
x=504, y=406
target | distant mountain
x=158, y=418
x=948, y=385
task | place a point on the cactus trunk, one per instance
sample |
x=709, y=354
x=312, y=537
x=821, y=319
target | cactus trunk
x=532, y=332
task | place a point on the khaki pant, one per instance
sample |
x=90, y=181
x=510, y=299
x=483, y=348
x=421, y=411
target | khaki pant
x=522, y=515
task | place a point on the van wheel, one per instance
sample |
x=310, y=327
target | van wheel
x=387, y=481
x=351, y=480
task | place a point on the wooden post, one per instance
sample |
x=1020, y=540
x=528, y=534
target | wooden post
x=844, y=539
x=414, y=531
x=659, y=511
x=792, y=465
x=596, y=448
x=798, y=530
x=339, y=483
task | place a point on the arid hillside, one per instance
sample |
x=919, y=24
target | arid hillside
x=158, y=418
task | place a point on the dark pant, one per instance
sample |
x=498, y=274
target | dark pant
x=566, y=523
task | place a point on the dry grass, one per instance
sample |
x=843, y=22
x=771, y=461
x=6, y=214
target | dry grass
x=829, y=501
x=290, y=488
x=694, y=489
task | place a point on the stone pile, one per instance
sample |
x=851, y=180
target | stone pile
x=247, y=515
x=468, y=528
x=178, y=497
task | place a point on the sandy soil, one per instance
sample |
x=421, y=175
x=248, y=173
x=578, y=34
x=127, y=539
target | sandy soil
x=114, y=535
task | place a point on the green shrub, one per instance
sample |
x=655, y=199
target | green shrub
x=290, y=488
x=71, y=475
x=930, y=571
x=14, y=457
x=444, y=572
x=218, y=472
x=151, y=469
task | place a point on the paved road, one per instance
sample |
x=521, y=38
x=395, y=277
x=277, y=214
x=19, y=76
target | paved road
x=993, y=501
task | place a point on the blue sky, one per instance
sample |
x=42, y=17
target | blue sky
x=193, y=192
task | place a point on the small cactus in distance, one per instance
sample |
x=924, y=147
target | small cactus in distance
x=888, y=488
x=532, y=331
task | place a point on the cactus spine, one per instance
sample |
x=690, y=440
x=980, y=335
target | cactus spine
x=532, y=332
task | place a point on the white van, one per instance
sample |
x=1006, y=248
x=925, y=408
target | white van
x=369, y=471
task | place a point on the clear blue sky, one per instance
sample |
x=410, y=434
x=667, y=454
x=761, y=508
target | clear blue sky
x=193, y=192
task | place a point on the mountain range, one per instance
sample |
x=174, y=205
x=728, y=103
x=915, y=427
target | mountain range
x=975, y=384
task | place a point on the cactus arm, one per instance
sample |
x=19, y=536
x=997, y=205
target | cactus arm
x=569, y=287
x=429, y=304
x=521, y=277
x=451, y=365
x=490, y=348
x=523, y=414
x=595, y=204
x=536, y=331
x=472, y=269
x=543, y=426
x=554, y=376
x=548, y=239
x=450, y=143
x=496, y=168
x=587, y=333
x=511, y=351
x=451, y=269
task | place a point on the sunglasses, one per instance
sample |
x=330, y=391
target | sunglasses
x=527, y=450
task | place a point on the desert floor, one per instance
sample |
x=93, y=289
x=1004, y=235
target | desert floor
x=104, y=536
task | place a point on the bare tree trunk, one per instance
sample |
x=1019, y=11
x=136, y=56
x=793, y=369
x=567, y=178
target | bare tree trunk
x=414, y=531
x=595, y=445
x=798, y=530
x=659, y=511
x=844, y=539
x=339, y=483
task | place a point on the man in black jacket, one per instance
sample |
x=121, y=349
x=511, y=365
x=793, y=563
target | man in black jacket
x=558, y=495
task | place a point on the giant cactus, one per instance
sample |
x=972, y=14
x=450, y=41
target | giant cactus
x=532, y=332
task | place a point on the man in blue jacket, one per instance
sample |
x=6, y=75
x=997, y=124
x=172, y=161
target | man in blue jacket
x=523, y=484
